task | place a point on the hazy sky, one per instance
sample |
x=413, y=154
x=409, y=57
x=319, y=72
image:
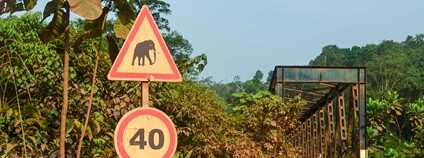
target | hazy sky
x=242, y=36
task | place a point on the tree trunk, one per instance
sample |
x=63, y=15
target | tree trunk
x=65, y=86
x=90, y=100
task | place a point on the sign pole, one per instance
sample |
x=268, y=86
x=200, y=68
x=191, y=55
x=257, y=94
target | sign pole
x=145, y=94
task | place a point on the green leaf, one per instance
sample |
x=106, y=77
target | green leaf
x=49, y=9
x=189, y=154
x=77, y=124
x=9, y=113
x=55, y=28
x=29, y=4
x=125, y=9
x=99, y=22
x=99, y=141
x=98, y=116
x=89, y=133
x=95, y=126
x=77, y=43
x=122, y=26
x=88, y=9
x=113, y=48
x=125, y=20
x=69, y=126
x=96, y=27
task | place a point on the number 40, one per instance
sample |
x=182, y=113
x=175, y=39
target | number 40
x=141, y=141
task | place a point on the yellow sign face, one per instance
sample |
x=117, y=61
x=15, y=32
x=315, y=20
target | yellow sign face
x=145, y=132
x=144, y=55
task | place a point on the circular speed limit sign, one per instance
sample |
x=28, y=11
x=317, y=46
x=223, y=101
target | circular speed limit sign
x=145, y=132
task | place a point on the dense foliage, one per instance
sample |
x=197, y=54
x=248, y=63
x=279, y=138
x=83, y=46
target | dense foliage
x=226, y=90
x=391, y=66
x=395, y=128
x=266, y=119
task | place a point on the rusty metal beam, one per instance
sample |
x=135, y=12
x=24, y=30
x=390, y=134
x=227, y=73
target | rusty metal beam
x=309, y=146
x=354, y=126
x=324, y=100
x=322, y=132
x=302, y=91
x=307, y=101
x=299, y=136
x=355, y=99
x=327, y=84
x=319, y=89
x=331, y=130
x=342, y=117
x=341, y=124
x=315, y=136
x=304, y=140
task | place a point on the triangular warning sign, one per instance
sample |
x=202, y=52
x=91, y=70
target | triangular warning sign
x=144, y=55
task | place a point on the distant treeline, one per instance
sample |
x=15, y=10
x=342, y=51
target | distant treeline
x=391, y=66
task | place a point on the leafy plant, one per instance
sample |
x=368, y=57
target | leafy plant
x=388, y=119
x=265, y=118
x=376, y=112
x=181, y=155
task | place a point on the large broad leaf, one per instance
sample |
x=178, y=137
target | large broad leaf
x=122, y=26
x=50, y=8
x=55, y=28
x=98, y=25
x=88, y=9
x=113, y=48
x=95, y=28
x=29, y=4
x=125, y=8
x=125, y=20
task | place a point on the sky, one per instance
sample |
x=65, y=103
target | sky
x=240, y=37
x=243, y=36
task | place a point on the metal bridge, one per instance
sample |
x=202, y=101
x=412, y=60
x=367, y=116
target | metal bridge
x=333, y=123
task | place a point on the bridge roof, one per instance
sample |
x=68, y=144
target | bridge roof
x=315, y=84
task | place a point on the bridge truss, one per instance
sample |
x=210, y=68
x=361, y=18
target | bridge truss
x=333, y=123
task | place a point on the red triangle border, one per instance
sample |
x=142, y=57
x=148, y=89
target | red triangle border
x=115, y=75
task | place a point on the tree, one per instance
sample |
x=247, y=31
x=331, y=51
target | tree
x=385, y=65
x=391, y=126
x=225, y=90
x=266, y=118
x=27, y=74
x=203, y=125
x=391, y=66
x=331, y=56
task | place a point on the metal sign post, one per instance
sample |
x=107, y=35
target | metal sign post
x=145, y=94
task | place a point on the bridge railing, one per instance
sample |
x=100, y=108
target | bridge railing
x=333, y=124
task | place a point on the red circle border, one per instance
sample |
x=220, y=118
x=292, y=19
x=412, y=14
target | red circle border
x=146, y=111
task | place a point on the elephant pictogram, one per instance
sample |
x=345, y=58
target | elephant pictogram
x=142, y=50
